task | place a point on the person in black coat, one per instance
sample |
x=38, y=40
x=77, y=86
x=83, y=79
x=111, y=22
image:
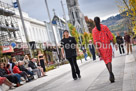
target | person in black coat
x=120, y=43
x=34, y=67
x=92, y=50
x=22, y=68
x=71, y=51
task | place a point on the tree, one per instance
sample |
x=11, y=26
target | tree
x=114, y=38
x=130, y=9
x=90, y=24
x=132, y=5
x=74, y=32
x=87, y=36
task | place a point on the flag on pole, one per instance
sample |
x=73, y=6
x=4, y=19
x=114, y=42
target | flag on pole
x=15, y=4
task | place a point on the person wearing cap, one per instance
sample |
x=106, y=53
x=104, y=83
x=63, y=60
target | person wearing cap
x=69, y=45
x=92, y=50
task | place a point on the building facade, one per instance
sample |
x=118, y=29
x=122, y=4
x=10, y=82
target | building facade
x=39, y=32
x=76, y=16
x=36, y=30
x=8, y=24
x=59, y=25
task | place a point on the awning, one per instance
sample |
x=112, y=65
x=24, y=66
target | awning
x=7, y=49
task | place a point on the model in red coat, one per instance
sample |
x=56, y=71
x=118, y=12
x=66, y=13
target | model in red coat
x=102, y=38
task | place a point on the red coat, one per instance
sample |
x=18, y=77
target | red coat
x=2, y=80
x=16, y=70
x=102, y=39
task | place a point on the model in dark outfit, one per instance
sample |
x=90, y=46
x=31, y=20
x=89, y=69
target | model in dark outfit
x=42, y=63
x=71, y=53
x=41, y=60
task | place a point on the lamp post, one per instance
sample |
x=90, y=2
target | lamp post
x=52, y=27
x=24, y=27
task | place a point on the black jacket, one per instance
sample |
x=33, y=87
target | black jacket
x=69, y=45
x=119, y=40
x=32, y=65
x=3, y=73
x=22, y=68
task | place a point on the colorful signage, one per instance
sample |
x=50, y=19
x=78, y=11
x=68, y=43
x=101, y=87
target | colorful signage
x=7, y=49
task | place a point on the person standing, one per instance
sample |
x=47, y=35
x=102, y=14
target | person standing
x=41, y=61
x=120, y=42
x=127, y=39
x=102, y=38
x=92, y=50
x=84, y=51
x=69, y=45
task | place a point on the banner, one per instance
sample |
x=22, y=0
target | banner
x=7, y=49
x=18, y=51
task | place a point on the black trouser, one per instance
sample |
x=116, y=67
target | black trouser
x=121, y=48
x=28, y=72
x=74, y=67
x=12, y=78
x=24, y=75
x=92, y=50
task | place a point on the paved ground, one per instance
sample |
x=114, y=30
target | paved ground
x=95, y=77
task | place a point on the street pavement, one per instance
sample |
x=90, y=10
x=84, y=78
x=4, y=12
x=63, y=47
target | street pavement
x=94, y=74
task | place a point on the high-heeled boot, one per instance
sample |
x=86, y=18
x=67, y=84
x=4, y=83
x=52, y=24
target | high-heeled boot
x=112, y=78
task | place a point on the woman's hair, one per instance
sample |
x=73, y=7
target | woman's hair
x=97, y=23
x=10, y=60
x=65, y=31
x=26, y=56
x=63, y=36
x=38, y=51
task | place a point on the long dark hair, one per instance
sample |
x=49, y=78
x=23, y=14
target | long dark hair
x=97, y=23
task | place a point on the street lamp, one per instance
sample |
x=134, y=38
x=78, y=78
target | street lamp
x=24, y=27
x=52, y=27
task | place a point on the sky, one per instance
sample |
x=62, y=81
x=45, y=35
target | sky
x=91, y=8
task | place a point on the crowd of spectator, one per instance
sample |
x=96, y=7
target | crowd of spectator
x=16, y=73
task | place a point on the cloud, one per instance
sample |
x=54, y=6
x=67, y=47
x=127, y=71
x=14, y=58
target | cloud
x=7, y=1
x=37, y=8
x=91, y=8
x=101, y=8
